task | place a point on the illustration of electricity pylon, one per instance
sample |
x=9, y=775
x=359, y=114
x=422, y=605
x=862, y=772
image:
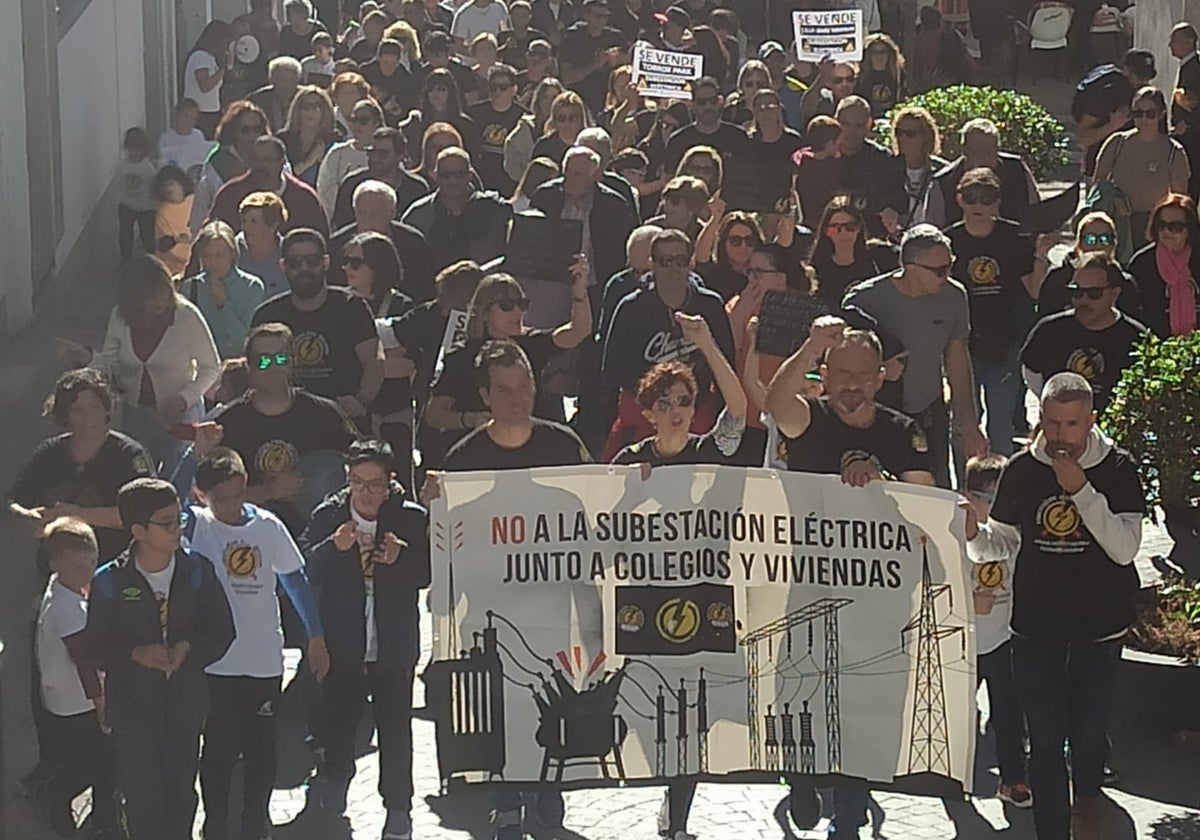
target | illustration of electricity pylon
x=929, y=740
x=822, y=608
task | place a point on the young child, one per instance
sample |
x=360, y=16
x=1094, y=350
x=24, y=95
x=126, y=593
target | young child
x=172, y=239
x=992, y=589
x=157, y=617
x=317, y=69
x=819, y=170
x=75, y=745
x=135, y=177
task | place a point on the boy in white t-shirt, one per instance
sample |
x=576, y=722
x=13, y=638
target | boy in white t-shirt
x=75, y=744
x=992, y=590
x=319, y=68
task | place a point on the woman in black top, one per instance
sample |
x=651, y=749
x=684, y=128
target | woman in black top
x=654, y=146
x=568, y=116
x=440, y=101
x=881, y=78
x=308, y=132
x=1094, y=233
x=724, y=267
x=753, y=75
x=842, y=255
x=1168, y=269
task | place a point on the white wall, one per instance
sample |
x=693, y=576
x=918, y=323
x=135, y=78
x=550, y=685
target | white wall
x=1152, y=29
x=16, y=288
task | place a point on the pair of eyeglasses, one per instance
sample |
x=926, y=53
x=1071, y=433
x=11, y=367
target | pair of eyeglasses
x=1144, y=113
x=170, y=525
x=980, y=198
x=1170, y=227
x=509, y=304
x=265, y=360
x=375, y=486
x=908, y=133
x=844, y=80
x=762, y=272
x=735, y=241
x=842, y=227
x=353, y=262
x=1089, y=292
x=668, y=403
x=678, y=261
x=304, y=261
x=942, y=271
x=1105, y=239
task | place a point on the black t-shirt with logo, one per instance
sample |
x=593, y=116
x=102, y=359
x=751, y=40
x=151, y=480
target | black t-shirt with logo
x=549, y=445
x=1060, y=343
x=494, y=127
x=324, y=358
x=51, y=477
x=1065, y=587
x=991, y=269
x=893, y=443
x=879, y=88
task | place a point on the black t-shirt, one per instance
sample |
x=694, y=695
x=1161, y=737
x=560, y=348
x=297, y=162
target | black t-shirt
x=459, y=381
x=549, y=445
x=780, y=150
x=728, y=139
x=708, y=448
x=834, y=280
x=274, y=444
x=420, y=332
x=991, y=269
x=401, y=86
x=722, y=279
x=298, y=47
x=494, y=127
x=51, y=477
x=323, y=352
x=1060, y=343
x=894, y=443
x=579, y=48
x=879, y=88
x=1065, y=586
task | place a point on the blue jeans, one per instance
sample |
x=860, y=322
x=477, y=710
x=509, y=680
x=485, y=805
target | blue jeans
x=1002, y=390
x=1067, y=690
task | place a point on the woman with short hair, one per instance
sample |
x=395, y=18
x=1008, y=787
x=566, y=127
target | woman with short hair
x=225, y=295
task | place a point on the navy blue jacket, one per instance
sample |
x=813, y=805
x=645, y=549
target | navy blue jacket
x=123, y=614
x=338, y=576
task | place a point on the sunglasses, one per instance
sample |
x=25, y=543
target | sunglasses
x=842, y=227
x=908, y=133
x=509, y=304
x=678, y=261
x=1089, y=292
x=1170, y=227
x=1144, y=113
x=1099, y=239
x=843, y=80
x=304, y=261
x=265, y=360
x=354, y=262
x=735, y=241
x=942, y=271
x=681, y=401
x=980, y=197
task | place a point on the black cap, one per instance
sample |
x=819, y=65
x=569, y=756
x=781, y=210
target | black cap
x=1140, y=63
x=596, y=4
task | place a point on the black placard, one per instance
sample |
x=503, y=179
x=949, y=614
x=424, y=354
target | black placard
x=541, y=248
x=756, y=185
x=784, y=320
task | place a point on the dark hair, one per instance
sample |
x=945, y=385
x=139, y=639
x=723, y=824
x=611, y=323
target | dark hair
x=226, y=131
x=822, y=250
x=394, y=136
x=720, y=254
x=138, y=500
x=390, y=46
x=660, y=378
x=800, y=277
x=186, y=104
x=984, y=471
x=138, y=281
x=270, y=140
x=706, y=81
x=380, y=256
x=219, y=465
x=1184, y=203
x=1099, y=260
x=304, y=235
x=502, y=69
x=500, y=352
x=67, y=533
x=214, y=38
x=444, y=78
x=629, y=158
x=171, y=174
x=436, y=41
x=371, y=451
x=69, y=386
x=136, y=138
x=1160, y=103
x=980, y=176
x=822, y=130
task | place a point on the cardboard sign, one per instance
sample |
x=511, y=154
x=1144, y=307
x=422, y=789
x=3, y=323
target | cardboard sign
x=756, y=185
x=837, y=35
x=784, y=320
x=667, y=75
x=454, y=337
x=540, y=248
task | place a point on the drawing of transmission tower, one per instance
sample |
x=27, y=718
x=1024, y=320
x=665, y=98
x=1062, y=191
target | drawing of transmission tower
x=929, y=740
x=823, y=608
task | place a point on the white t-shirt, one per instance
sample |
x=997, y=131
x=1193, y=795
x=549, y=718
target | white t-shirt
x=991, y=586
x=135, y=180
x=368, y=529
x=210, y=103
x=470, y=20
x=160, y=585
x=188, y=152
x=63, y=613
x=247, y=558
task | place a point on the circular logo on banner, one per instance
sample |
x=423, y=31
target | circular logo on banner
x=631, y=619
x=719, y=614
x=983, y=271
x=241, y=561
x=990, y=575
x=1060, y=518
x=678, y=620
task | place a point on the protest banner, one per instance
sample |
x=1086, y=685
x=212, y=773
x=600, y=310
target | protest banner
x=541, y=248
x=762, y=622
x=784, y=320
x=667, y=75
x=835, y=34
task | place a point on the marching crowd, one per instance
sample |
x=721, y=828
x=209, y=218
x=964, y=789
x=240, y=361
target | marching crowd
x=330, y=306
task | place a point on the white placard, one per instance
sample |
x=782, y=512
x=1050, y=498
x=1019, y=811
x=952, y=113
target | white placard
x=666, y=75
x=836, y=34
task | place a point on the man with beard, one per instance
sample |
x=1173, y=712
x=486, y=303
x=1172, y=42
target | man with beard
x=336, y=350
x=708, y=129
x=267, y=174
x=1070, y=510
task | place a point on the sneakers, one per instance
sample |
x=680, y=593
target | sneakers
x=398, y=825
x=1017, y=795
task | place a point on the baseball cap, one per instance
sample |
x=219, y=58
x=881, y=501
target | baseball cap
x=1140, y=63
x=676, y=15
x=769, y=48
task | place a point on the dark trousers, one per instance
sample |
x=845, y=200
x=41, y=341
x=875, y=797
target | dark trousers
x=1067, y=690
x=126, y=219
x=81, y=756
x=207, y=122
x=344, y=694
x=1007, y=715
x=241, y=721
x=157, y=768
x=935, y=422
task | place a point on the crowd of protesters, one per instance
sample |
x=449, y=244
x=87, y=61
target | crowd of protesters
x=329, y=308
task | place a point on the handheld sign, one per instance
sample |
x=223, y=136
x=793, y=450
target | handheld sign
x=757, y=185
x=454, y=337
x=838, y=35
x=784, y=320
x=667, y=75
x=541, y=248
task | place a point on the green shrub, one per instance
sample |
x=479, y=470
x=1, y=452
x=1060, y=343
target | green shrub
x=1155, y=415
x=1025, y=126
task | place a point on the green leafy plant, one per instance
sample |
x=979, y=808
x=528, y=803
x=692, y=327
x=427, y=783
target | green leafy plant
x=1025, y=126
x=1171, y=626
x=1155, y=415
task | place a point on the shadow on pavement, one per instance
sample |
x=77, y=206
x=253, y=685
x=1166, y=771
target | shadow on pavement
x=1182, y=827
x=1152, y=765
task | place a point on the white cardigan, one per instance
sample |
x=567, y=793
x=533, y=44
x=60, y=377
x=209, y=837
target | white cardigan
x=341, y=159
x=184, y=363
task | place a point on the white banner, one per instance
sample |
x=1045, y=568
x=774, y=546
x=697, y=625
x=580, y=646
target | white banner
x=591, y=626
x=667, y=75
x=838, y=35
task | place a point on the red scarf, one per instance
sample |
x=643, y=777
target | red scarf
x=1176, y=272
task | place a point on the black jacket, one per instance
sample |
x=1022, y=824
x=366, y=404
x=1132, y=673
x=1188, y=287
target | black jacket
x=1014, y=187
x=611, y=222
x=1156, y=306
x=123, y=614
x=412, y=249
x=411, y=188
x=338, y=576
